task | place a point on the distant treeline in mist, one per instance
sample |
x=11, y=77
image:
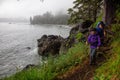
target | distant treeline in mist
x=49, y=18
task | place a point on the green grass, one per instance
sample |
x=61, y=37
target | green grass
x=79, y=36
x=110, y=69
x=54, y=66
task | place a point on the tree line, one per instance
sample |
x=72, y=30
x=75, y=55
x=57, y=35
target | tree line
x=92, y=9
x=81, y=11
x=85, y=10
x=49, y=18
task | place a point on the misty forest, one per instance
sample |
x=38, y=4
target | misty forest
x=49, y=18
x=60, y=40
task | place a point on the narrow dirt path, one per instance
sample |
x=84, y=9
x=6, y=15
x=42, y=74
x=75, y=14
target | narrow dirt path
x=84, y=71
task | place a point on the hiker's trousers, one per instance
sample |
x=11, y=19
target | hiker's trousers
x=93, y=55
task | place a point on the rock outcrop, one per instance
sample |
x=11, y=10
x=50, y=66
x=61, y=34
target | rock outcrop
x=82, y=28
x=49, y=45
x=52, y=44
x=29, y=66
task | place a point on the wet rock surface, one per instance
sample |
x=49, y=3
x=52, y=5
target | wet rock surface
x=29, y=66
x=49, y=45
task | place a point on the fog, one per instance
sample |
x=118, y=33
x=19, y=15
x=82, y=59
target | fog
x=27, y=8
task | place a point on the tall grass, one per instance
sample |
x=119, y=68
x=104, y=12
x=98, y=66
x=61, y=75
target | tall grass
x=54, y=66
x=111, y=69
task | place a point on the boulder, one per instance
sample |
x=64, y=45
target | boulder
x=29, y=66
x=49, y=45
x=28, y=48
x=82, y=27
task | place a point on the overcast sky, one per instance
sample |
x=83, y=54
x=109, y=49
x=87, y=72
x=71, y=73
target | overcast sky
x=27, y=8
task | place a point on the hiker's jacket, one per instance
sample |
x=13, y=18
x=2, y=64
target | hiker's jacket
x=100, y=32
x=94, y=41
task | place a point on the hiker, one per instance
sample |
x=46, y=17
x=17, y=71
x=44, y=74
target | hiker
x=95, y=42
x=101, y=31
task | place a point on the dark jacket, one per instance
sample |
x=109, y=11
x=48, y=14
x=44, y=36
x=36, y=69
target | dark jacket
x=100, y=31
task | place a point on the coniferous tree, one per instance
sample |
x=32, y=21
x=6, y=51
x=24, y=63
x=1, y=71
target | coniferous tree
x=84, y=10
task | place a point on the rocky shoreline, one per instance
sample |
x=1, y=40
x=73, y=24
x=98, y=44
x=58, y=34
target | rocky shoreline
x=53, y=45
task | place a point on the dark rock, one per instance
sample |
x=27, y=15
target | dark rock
x=71, y=40
x=29, y=66
x=49, y=45
x=83, y=27
x=66, y=44
x=75, y=29
x=86, y=24
x=28, y=47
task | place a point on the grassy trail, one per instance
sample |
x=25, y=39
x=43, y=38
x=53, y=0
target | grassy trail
x=85, y=71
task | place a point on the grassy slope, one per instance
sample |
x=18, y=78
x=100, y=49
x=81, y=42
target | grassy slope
x=54, y=66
